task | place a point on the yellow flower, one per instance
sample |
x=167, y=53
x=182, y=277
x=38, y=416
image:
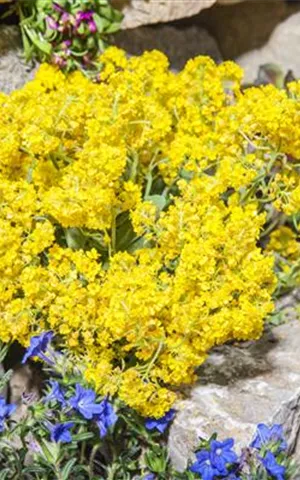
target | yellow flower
x=131, y=214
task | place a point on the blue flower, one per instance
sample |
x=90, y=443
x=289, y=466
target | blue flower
x=149, y=476
x=203, y=466
x=6, y=410
x=38, y=346
x=273, y=468
x=84, y=402
x=60, y=432
x=56, y=393
x=265, y=435
x=221, y=454
x=106, y=418
x=160, y=424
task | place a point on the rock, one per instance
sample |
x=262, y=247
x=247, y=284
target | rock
x=241, y=27
x=24, y=390
x=137, y=12
x=229, y=2
x=26, y=380
x=178, y=44
x=283, y=49
x=14, y=71
x=3, y=391
x=289, y=416
x=239, y=387
x=145, y=12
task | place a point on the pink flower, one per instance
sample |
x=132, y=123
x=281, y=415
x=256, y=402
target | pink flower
x=52, y=24
x=59, y=61
x=65, y=18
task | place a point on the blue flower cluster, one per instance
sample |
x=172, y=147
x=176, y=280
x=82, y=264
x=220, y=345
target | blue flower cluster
x=162, y=423
x=6, y=410
x=82, y=402
x=220, y=461
x=215, y=460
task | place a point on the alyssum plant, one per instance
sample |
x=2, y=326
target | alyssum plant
x=135, y=216
x=70, y=433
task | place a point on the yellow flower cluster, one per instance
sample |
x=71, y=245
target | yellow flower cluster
x=131, y=215
x=284, y=244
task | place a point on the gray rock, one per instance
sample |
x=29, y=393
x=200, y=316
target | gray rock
x=145, y=12
x=178, y=44
x=282, y=49
x=239, y=28
x=3, y=391
x=14, y=71
x=239, y=387
x=140, y=12
x=289, y=416
x=25, y=380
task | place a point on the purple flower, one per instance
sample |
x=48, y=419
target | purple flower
x=92, y=26
x=38, y=346
x=106, y=418
x=149, y=476
x=6, y=410
x=66, y=44
x=203, y=466
x=60, y=432
x=56, y=393
x=86, y=17
x=221, y=454
x=160, y=424
x=265, y=435
x=84, y=402
x=52, y=24
x=82, y=16
x=273, y=468
x=34, y=446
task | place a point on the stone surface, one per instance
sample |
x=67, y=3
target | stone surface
x=179, y=44
x=24, y=381
x=228, y=2
x=241, y=386
x=14, y=71
x=145, y=12
x=283, y=49
x=241, y=27
x=24, y=389
x=3, y=391
x=141, y=12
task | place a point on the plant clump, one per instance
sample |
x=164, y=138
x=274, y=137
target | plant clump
x=133, y=213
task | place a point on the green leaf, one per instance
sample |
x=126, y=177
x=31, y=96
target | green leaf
x=75, y=238
x=5, y=379
x=113, y=27
x=158, y=200
x=42, y=45
x=100, y=22
x=80, y=437
x=138, y=244
x=3, y=351
x=270, y=73
x=4, y=474
x=67, y=469
x=50, y=451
